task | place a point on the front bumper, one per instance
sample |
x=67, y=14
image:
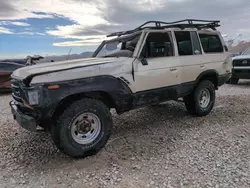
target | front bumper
x=25, y=121
x=241, y=73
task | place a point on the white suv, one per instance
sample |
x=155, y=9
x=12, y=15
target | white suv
x=155, y=62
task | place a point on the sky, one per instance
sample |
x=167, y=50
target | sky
x=53, y=27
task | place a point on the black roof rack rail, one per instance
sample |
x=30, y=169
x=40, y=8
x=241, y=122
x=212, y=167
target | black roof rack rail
x=182, y=24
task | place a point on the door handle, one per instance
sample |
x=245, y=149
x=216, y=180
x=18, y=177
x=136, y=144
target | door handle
x=173, y=69
x=197, y=52
x=202, y=66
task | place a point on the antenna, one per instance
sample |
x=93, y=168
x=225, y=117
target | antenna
x=69, y=54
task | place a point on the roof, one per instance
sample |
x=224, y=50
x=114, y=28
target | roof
x=182, y=24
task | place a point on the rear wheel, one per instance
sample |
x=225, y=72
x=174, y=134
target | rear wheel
x=202, y=100
x=83, y=129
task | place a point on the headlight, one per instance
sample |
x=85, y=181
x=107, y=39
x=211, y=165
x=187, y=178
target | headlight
x=33, y=97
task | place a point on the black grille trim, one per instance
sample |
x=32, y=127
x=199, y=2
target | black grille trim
x=241, y=62
x=16, y=90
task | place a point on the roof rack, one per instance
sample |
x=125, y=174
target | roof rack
x=182, y=24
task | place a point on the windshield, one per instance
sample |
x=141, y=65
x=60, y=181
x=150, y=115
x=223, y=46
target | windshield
x=123, y=47
x=246, y=52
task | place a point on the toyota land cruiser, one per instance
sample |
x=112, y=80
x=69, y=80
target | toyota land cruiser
x=156, y=62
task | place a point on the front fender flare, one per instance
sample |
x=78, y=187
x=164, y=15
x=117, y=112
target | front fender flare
x=119, y=92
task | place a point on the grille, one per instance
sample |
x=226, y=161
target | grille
x=242, y=71
x=16, y=90
x=241, y=62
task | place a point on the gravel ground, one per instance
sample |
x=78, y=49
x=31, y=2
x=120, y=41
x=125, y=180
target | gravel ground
x=160, y=146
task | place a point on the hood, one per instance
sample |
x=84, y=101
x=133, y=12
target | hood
x=44, y=68
x=241, y=57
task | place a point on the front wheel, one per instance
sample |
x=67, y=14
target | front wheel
x=83, y=128
x=202, y=100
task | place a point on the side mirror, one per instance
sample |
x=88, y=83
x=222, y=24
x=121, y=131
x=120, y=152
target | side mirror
x=144, y=61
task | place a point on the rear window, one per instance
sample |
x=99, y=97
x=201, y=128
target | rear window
x=211, y=43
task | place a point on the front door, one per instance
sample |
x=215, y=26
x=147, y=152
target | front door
x=156, y=77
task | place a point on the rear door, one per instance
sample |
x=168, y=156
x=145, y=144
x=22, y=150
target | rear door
x=191, y=59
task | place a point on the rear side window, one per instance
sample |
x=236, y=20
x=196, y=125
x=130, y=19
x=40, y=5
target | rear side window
x=211, y=43
x=184, y=42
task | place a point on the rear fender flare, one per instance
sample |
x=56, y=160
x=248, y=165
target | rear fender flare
x=208, y=73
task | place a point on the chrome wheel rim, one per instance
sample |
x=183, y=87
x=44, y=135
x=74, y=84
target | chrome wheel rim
x=85, y=128
x=204, y=98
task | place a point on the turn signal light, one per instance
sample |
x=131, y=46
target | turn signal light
x=28, y=106
x=53, y=87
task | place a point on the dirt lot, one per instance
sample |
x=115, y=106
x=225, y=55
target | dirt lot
x=159, y=146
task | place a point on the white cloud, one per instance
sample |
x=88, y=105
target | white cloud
x=72, y=31
x=94, y=41
x=25, y=15
x=29, y=33
x=96, y=18
x=130, y=14
x=14, y=23
x=15, y=10
x=4, y=30
x=83, y=13
x=79, y=11
x=79, y=43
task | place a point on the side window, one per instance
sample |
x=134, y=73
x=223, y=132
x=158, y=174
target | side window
x=211, y=43
x=184, y=42
x=158, y=45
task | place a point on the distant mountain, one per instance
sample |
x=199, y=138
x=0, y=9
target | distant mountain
x=66, y=57
x=52, y=58
x=20, y=61
x=87, y=54
x=240, y=47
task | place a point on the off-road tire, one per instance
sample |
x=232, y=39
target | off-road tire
x=61, y=131
x=192, y=101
